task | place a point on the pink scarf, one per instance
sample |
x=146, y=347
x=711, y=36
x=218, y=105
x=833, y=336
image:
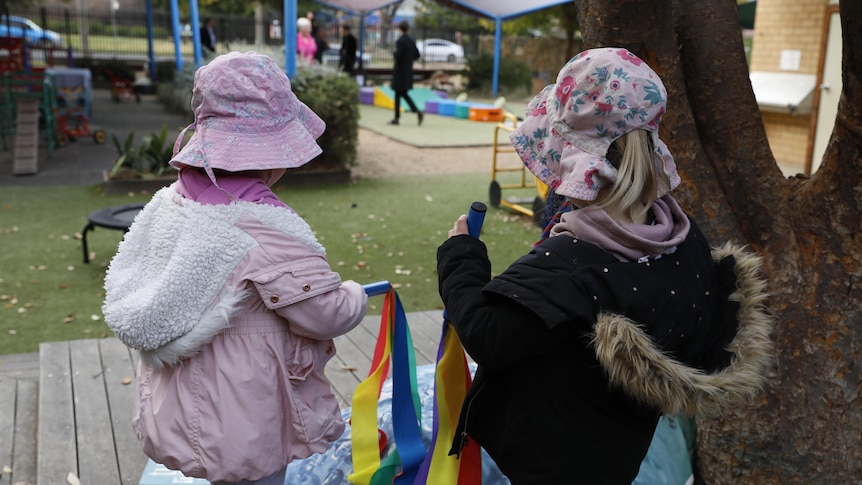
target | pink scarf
x=197, y=186
x=628, y=242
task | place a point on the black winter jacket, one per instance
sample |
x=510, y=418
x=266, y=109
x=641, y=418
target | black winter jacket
x=579, y=353
x=405, y=54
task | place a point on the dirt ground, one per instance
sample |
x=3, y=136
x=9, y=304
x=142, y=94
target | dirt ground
x=378, y=155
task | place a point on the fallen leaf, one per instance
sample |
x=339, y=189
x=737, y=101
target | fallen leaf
x=12, y=331
x=69, y=319
x=72, y=479
x=65, y=237
x=95, y=318
x=63, y=286
x=126, y=381
x=22, y=310
x=70, y=268
x=78, y=236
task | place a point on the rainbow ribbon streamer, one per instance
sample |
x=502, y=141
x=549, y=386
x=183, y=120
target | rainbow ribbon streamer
x=393, y=343
x=410, y=463
x=451, y=381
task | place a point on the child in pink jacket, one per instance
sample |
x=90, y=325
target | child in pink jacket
x=228, y=295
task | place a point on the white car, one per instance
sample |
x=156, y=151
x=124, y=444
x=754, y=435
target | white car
x=440, y=50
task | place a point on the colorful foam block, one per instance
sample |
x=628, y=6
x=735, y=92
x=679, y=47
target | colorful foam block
x=432, y=106
x=485, y=112
x=366, y=95
x=462, y=110
x=446, y=107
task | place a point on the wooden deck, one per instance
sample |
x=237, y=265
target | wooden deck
x=68, y=408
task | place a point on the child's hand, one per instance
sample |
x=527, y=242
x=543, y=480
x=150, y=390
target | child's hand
x=460, y=226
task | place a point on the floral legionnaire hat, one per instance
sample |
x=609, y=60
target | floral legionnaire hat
x=600, y=95
x=247, y=118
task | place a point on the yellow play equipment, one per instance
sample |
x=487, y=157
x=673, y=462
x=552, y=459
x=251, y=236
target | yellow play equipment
x=531, y=207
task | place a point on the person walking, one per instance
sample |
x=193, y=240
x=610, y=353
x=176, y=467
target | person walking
x=226, y=292
x=623, y=314
x=406, y=53
x=208, y=36
x=347, y=55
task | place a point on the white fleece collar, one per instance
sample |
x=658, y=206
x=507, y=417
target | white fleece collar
x=168, y=275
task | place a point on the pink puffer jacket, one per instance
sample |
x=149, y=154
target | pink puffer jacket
x=241, y=392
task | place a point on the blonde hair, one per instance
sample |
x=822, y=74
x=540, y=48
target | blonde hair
x=636, y=187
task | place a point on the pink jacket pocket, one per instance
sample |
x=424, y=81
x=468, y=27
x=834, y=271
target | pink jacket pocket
x=315, y=408
x=289, y=283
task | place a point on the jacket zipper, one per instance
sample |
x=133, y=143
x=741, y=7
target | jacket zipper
x=463, y=438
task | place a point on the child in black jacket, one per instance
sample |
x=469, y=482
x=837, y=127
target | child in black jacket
x=623, y=314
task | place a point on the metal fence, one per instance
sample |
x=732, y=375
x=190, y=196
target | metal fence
x=122, y=35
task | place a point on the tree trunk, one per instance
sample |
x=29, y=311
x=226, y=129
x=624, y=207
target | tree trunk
x=806, y=427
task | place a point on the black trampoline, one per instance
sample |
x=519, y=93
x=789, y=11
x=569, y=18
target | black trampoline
x=118, y=217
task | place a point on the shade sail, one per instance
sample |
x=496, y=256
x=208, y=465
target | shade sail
x=357, y=6
x=492, y=9
x=501, y=9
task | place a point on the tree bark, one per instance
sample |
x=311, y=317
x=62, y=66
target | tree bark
x=806, y=426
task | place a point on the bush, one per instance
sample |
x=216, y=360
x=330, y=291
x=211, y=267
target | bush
x=334, y=96
x=514, y=77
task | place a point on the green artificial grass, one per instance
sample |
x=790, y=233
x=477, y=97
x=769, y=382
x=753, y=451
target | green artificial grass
x=373, y=230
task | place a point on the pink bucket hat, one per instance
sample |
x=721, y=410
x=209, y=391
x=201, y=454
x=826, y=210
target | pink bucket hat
x=600, y=95
x=247, y=118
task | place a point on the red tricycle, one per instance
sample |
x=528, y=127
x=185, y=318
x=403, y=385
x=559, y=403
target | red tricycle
x=73, y=123
x=122, y=88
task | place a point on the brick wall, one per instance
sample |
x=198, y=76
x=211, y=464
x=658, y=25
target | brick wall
x=788, y=138
x=780, y=25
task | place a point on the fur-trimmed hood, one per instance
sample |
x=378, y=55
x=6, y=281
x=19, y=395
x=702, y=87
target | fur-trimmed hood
x=636, y=364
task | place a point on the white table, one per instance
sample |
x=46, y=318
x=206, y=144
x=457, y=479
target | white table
x=74, y=85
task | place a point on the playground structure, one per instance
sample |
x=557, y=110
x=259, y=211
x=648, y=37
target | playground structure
x=531, y=207
x=53, y=100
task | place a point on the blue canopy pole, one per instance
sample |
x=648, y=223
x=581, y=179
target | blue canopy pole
x=361, y=42
x=498, y=34
x=196, y=32
x=290, y=16
x=150, y=52
x=175, y=21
